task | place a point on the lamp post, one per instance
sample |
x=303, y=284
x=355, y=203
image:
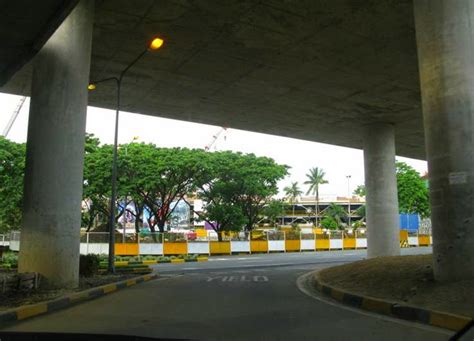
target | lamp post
x=349, y=200
x=154, y=44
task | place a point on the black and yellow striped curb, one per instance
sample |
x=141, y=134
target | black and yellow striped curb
x=27, y=311
x=393, y=309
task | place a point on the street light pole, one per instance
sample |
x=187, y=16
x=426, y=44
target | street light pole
x=349, y=200
x=155, y=44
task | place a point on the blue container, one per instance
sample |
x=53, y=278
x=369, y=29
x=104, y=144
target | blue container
x=409, y=221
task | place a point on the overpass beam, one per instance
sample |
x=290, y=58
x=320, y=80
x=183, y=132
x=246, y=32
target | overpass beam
x=55, y=152
x=381, y=185
x=445, y=43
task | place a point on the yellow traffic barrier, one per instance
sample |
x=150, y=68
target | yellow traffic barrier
x=219, y=248
x=178, y=248
x=258, y=246
x=126, y=249
x=292, y=245
x=322, y=243
x=423, y=240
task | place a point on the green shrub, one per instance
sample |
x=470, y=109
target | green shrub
x=10, y=258
x=149, y=258
x=89, y=265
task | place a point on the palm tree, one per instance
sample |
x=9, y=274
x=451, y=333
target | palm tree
x=315, y=178
x=337, y=213
x=292, y=193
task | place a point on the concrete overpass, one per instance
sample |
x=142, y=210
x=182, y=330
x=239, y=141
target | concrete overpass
x=342, y=72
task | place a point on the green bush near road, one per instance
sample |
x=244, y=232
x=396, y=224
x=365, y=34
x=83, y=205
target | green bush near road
x=9, y=260
x=89, y=265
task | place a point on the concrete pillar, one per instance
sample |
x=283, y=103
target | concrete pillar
x=55, y=149
x=381, y=186
x=445, y=42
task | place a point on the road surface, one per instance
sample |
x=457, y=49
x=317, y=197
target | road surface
x=253, y=297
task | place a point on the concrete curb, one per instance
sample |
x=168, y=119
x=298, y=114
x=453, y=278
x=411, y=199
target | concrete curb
x=27, y=311
x=394, y=309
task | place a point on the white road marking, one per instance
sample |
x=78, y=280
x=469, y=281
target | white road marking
x=244, y=278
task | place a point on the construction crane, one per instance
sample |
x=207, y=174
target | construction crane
x=14, y=116
x=214, y=138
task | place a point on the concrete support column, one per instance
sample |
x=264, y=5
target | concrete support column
x=55, y=152
x=445, y=42
x=381, y=185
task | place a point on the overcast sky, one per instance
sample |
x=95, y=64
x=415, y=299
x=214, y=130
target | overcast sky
x=337, y=162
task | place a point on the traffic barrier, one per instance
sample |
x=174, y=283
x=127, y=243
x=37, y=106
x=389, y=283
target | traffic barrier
x=348, y=240
x=322, y=241
x=335, y=241
x=220, y=248
x=256, y=241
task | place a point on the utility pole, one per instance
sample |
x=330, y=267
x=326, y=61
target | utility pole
x=349, y=200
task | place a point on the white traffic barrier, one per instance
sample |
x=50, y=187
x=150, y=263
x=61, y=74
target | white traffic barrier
x=98, y=248
x=240, y=246
x=276, y=245
x=199, y=247
x=361, y=243
x=150, y=249
x=308, y=244
x=413, y=240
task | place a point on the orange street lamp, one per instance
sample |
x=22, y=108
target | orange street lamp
x=154, y=44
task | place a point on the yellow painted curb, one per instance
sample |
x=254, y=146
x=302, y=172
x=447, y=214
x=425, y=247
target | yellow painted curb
x=109, y=288
x=78, y=296
x=376, y=306
x=177, y=260
x=31, y=310
x=449, y=321
x=202, y=259
x=122, y=263
x=131, y=282
x=150, y=262
x=338, y=295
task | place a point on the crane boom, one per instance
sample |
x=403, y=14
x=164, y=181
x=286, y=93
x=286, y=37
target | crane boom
x=9, y=125
x=214, y=139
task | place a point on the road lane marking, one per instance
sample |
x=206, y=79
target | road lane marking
x=243, y=278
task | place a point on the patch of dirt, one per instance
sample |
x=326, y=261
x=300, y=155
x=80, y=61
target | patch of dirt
x=18, y=298
x=405, y=279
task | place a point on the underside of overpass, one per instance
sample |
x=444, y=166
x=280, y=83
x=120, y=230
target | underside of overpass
x=312, y=70
x=345, y=72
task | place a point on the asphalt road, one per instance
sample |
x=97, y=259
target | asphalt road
x=257, y=297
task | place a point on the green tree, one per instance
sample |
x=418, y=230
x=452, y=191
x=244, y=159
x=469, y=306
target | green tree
x=12, y=170
x=413, y=195
x=292, y=193
x=235, y=188
x=219, y=190
x=315, y=179
x=257, y=182
x=360, y=191
x=98, y=182
x=159, y=178
x=329, y=223
x=273, y=210
x=336, y=213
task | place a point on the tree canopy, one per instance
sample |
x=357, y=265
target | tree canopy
x=413, y=196
x=12, y=170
